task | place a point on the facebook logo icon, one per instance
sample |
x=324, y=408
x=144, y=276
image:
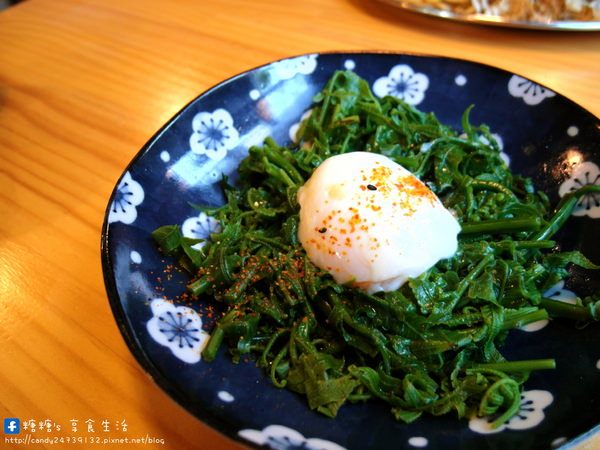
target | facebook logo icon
x=12, y=426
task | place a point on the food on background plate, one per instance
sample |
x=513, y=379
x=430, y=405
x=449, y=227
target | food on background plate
x=543, y=11
x=433, y=344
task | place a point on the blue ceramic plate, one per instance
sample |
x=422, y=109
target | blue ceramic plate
x=544, y=136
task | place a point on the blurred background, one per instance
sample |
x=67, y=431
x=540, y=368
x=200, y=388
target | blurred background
x=7, y=3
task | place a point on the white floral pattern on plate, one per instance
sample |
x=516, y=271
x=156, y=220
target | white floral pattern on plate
x=418, y=442
x=200, y=227
x=279, y=437
x=214, y=134
x=585, y=174
x=289, y=68
x=128, y=196
x=531, y=414
x=531, y=93
x=402, y=82
x=225, y=396
x=179, y=328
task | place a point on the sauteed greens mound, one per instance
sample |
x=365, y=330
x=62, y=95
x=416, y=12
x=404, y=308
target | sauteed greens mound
x=433, y=346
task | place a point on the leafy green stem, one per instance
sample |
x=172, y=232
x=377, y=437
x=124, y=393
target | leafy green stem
x=500, y=226
x=567, y=310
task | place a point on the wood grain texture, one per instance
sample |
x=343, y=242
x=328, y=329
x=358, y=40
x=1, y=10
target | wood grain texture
x=83, y=85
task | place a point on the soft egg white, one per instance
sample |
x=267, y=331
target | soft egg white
x=368, y=221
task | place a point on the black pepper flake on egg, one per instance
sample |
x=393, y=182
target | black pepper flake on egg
x=371, y=187
x=322, y=230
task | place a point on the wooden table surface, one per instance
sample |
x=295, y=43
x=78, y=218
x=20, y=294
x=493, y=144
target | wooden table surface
x=83, y=85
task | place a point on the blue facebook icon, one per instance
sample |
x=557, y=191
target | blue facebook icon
x=12, y=426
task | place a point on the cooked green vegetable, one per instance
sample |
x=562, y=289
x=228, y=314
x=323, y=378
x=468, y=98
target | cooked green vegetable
x=433, y=345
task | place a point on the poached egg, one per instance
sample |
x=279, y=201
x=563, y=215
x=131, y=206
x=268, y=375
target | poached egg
x=369, y=222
